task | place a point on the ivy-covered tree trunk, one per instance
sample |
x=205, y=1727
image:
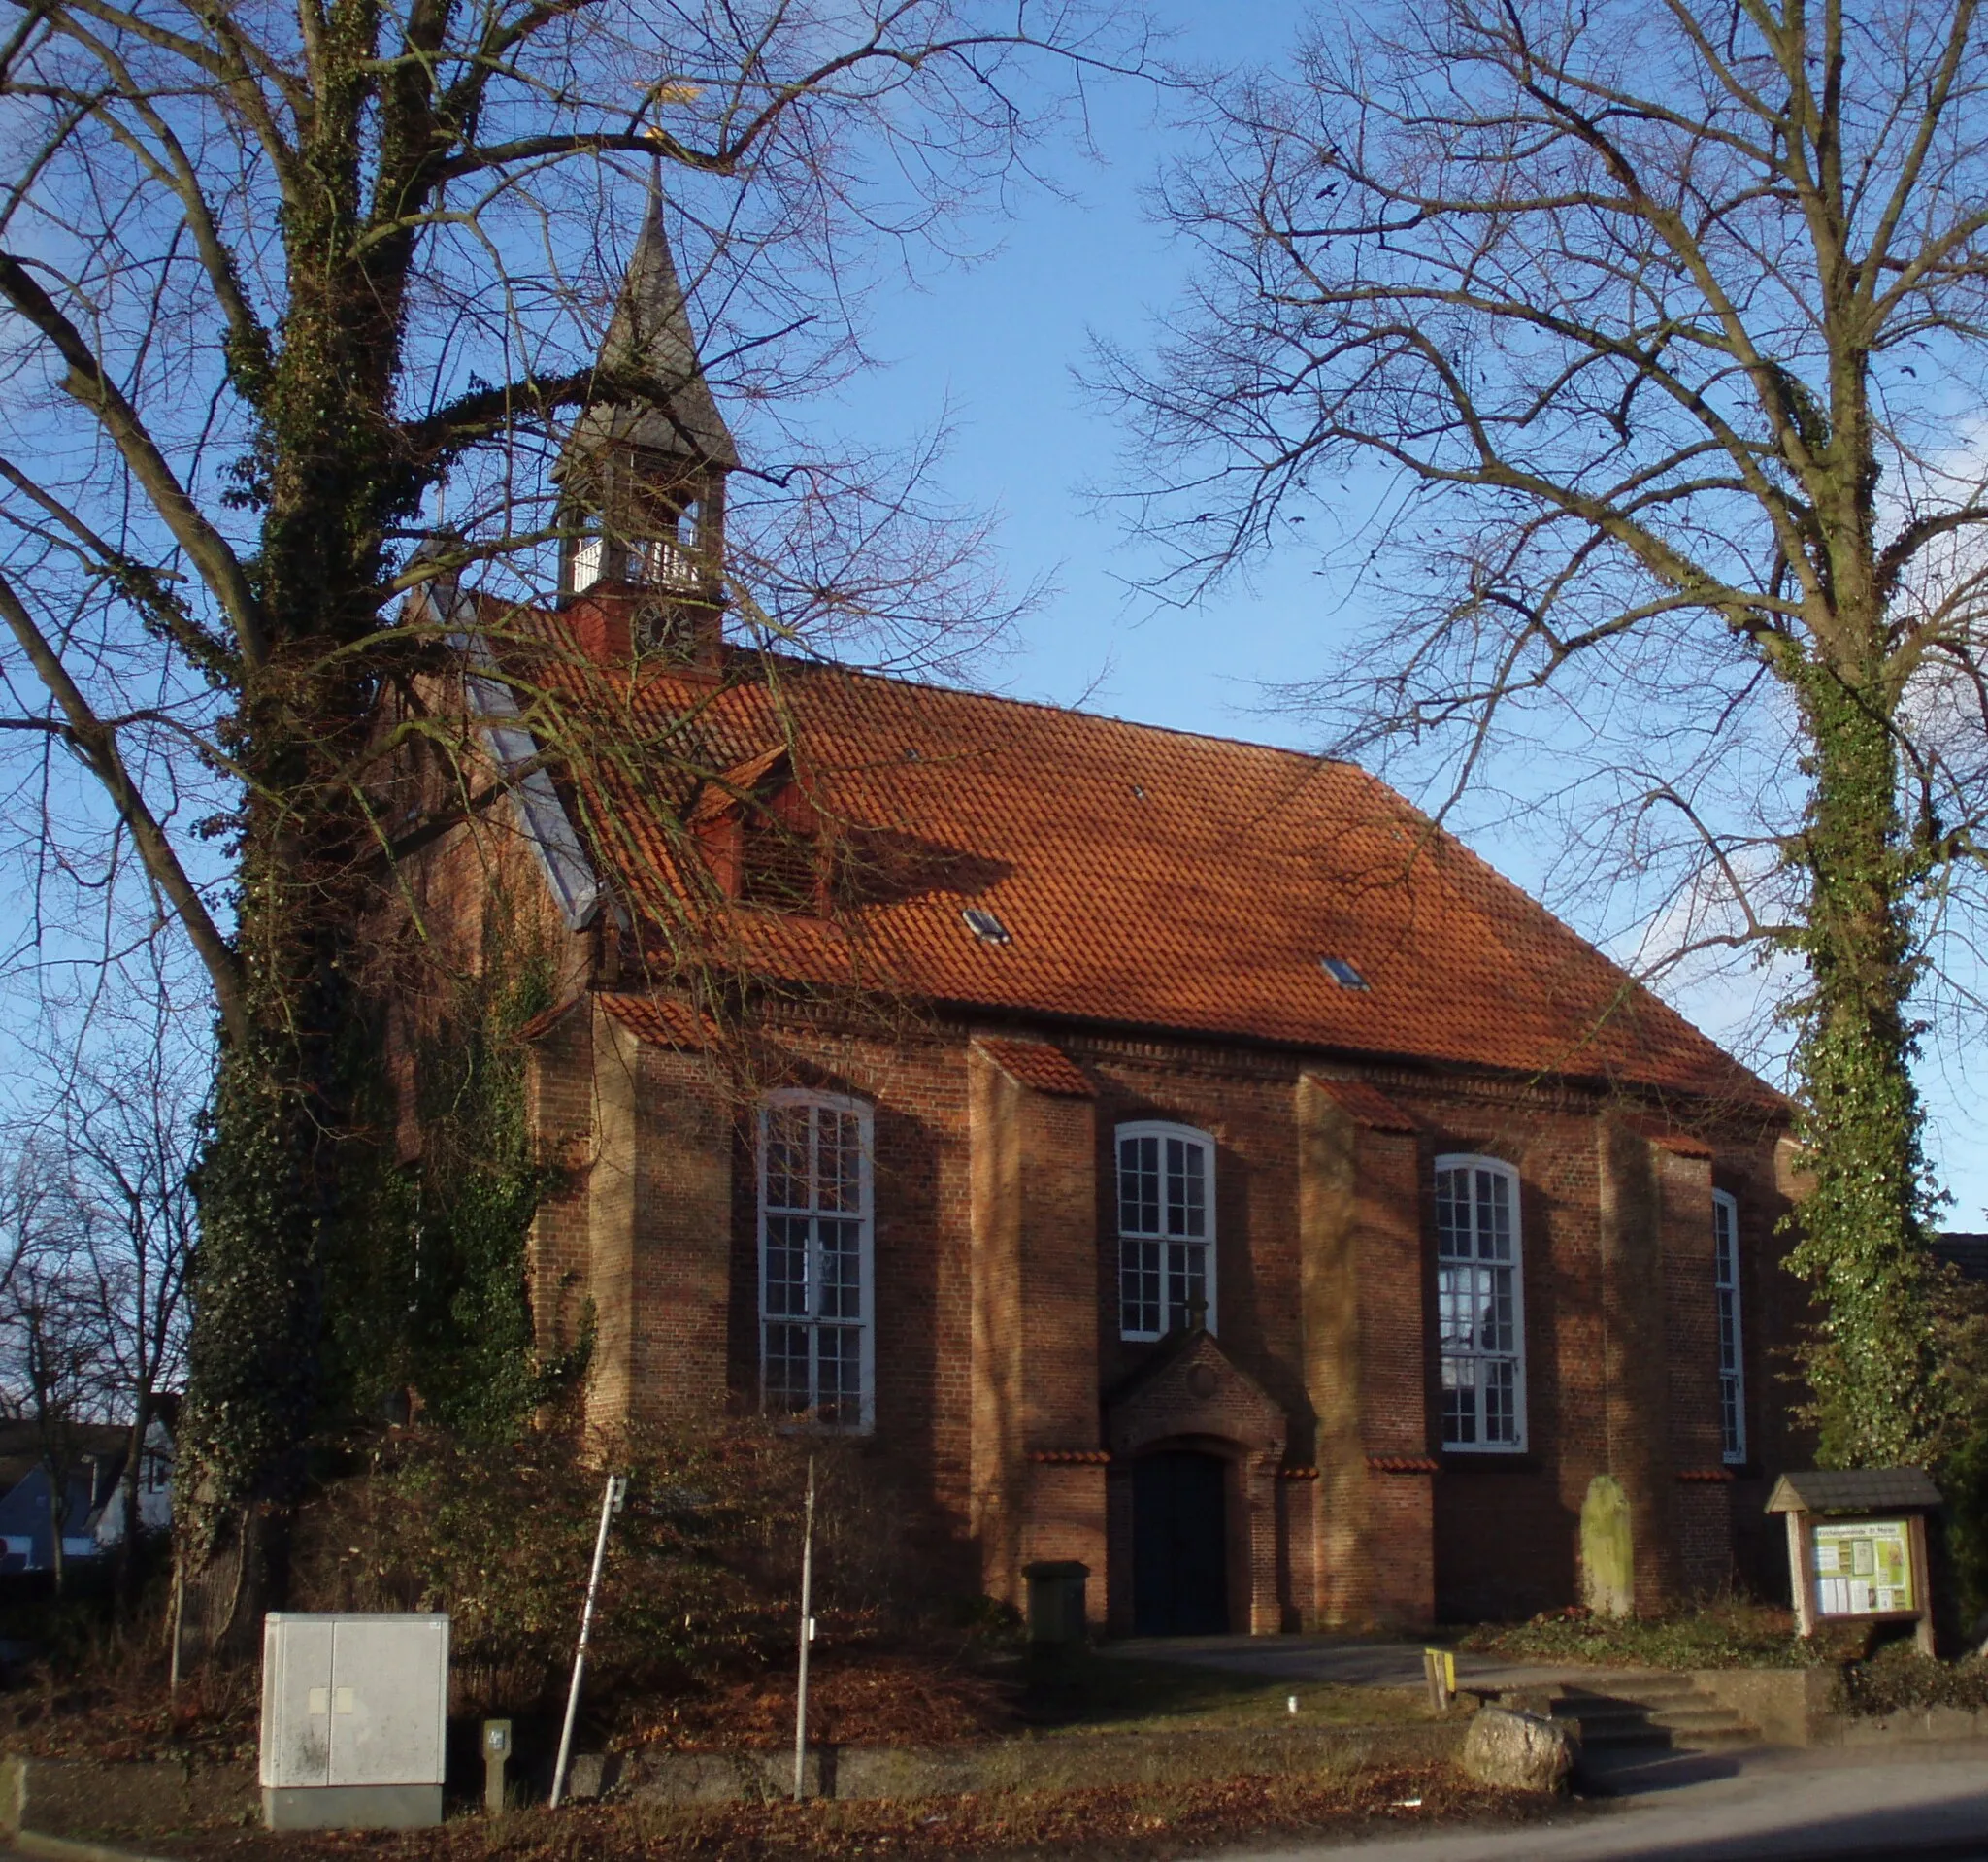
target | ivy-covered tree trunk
x=277, y=1181
x=258, y=1320
x=299, y=263
x=1651, y=318
x=1870, y=1364
x=1872, y=1370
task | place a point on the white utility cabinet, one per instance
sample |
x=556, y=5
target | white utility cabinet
x=354, y=1721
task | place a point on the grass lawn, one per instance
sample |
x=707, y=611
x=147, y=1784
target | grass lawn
x=870, y=1698
x=1123, y=1694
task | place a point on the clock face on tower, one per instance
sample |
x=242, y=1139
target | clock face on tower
x=662, y=630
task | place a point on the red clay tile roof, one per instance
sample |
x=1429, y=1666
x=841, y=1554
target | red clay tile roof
x=1365, y=1105
x=547, y=1019
x=663, y=1021
x=726, y=793
x=660, y=1021
x=1037, y=1065
x=1147, y=878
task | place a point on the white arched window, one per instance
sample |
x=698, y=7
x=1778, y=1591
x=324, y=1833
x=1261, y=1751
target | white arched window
x=1166, y=1229
x=816, y=1345
x=1480, y=1314
x=1726, y=1292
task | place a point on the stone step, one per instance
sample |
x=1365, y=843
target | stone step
x=1719, y=1739
x=1601, y=1721
x=1599, y=1712
x=1709, y=1717
x=1672, y=1713
x=1639, y=1738
x=1650, y=1686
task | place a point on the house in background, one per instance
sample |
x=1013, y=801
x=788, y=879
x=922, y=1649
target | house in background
x=1967, y=1253
x=153, y=1492
x=93, y=1523
x=1166, y=1153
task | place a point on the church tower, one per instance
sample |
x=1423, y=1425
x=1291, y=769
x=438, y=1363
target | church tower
x=642, y=478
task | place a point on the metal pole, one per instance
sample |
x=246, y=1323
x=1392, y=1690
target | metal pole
x=611, y=1502
x=807, y=1636
x=177, y=1616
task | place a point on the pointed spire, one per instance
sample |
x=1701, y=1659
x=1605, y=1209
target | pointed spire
x=651, y=335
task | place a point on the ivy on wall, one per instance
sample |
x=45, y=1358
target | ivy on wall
x=463, y=1215
x=470, y=1209
x=430, y=1293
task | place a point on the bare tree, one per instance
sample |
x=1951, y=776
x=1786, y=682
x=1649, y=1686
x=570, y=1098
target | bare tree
x=1639, y=348
x=283, y=283
x=97, y=1220
x=122, y=1109
x=54, y=1361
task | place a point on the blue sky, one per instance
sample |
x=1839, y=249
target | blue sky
x=993, y=344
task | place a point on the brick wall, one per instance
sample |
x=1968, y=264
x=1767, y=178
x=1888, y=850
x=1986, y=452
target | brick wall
x=1366, y=1367
x=1035, y=1334
x=995, y=1213
x=1703, y=1511
x=1637, y=1352
x=996, y=1325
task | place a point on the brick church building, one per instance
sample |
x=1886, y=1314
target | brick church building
x=1166, y=1153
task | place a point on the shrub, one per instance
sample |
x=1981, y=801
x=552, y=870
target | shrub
x=702, y=1577
x=1729, y=1634
x=1896, y=1677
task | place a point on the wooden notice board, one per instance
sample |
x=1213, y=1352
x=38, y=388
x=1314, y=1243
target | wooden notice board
x=1857, y=1546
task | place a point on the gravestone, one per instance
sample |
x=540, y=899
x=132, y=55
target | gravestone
x=1608, y=1550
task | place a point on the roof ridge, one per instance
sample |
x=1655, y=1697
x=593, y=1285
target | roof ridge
x=1048, y=705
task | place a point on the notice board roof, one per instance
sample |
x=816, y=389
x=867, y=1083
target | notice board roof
x=1854, y=1490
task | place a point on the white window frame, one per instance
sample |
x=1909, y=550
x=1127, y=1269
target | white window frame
x=1163, y=1130
x=865, y=1322
x=1731, y=1329
x=1480, y=1262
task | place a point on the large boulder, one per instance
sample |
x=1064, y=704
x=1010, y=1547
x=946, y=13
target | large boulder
x=1517, y=1752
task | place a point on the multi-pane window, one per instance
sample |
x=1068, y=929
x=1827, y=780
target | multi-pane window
x=1166, y=1230
x=1479, y=1304
x=1726, y=1290
x=814, y=1251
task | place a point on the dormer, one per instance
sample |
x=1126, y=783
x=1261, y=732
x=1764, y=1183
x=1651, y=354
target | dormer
x=764, y=842
x=642, y=481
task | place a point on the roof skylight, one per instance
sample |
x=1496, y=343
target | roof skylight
x=1342, y=973
x=985, y=926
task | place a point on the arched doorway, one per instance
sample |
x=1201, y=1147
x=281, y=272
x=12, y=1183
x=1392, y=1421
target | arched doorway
x=1180, y=1544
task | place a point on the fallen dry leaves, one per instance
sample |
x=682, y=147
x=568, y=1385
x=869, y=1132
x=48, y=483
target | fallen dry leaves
x=1142, y=1824
x=855, y=1698
x=859, y=1696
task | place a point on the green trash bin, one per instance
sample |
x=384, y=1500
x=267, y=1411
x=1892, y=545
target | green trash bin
x=1056, y=1614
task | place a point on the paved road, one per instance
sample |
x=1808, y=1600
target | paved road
x=1915, y=1801
x=1348, y=1661
x=1929, y=1802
